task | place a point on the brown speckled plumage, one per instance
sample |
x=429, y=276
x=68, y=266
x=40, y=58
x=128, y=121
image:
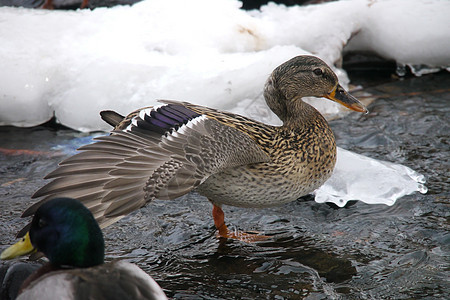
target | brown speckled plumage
x=164, y=152
x=301, y=159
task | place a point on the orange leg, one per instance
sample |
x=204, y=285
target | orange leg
x=219, y=220
x=224, y=232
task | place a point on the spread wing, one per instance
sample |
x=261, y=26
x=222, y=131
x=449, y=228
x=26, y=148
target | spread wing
x=158, y=152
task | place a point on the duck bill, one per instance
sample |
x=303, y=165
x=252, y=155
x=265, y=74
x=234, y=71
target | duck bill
x=23, y=247
x=341, y=96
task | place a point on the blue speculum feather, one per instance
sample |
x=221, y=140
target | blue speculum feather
x=168, y=112
x=159, y=116
x=157, y=122
x=141, y=124
x=166, y=118
x=185, y=111
x=169, y=109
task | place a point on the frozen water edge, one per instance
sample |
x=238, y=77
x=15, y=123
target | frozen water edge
x=358, y=177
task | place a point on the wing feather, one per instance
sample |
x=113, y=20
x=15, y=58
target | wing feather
x=162, y=152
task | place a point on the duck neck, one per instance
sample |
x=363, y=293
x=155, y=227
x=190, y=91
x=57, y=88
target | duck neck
x=299, y=113
x=275, y=99
x=293, y=112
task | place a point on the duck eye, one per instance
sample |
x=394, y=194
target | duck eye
x=318, y=71
x=42, y=223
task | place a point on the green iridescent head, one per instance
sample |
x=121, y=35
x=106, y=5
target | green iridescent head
x=67, y=233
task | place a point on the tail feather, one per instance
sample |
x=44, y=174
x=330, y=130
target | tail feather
x=111, y=117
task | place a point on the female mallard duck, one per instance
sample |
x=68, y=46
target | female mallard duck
x=168, y=150
x=68, y=235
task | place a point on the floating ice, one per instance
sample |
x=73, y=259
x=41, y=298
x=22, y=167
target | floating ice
x=357, y=177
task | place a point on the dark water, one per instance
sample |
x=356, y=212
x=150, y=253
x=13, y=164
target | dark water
x=316, y=251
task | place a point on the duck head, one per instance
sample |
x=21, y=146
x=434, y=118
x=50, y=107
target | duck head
x=66, y=232
x=305, y=76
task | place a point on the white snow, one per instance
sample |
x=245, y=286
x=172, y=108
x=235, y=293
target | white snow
x=73, y=64
x=411, y=32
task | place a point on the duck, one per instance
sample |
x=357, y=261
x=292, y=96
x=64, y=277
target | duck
x=66, y=232
x=168, y=150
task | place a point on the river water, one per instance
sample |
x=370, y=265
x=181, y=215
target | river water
x=316, y=251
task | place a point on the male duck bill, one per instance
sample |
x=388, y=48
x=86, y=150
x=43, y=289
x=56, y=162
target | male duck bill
x=168, y=150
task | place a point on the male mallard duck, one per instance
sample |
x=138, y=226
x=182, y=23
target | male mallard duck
x=168, y=150
x=68, y=235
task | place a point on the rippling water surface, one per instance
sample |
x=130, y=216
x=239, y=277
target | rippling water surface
x=316, y=251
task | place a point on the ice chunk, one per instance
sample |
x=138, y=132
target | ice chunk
x=357, y=177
